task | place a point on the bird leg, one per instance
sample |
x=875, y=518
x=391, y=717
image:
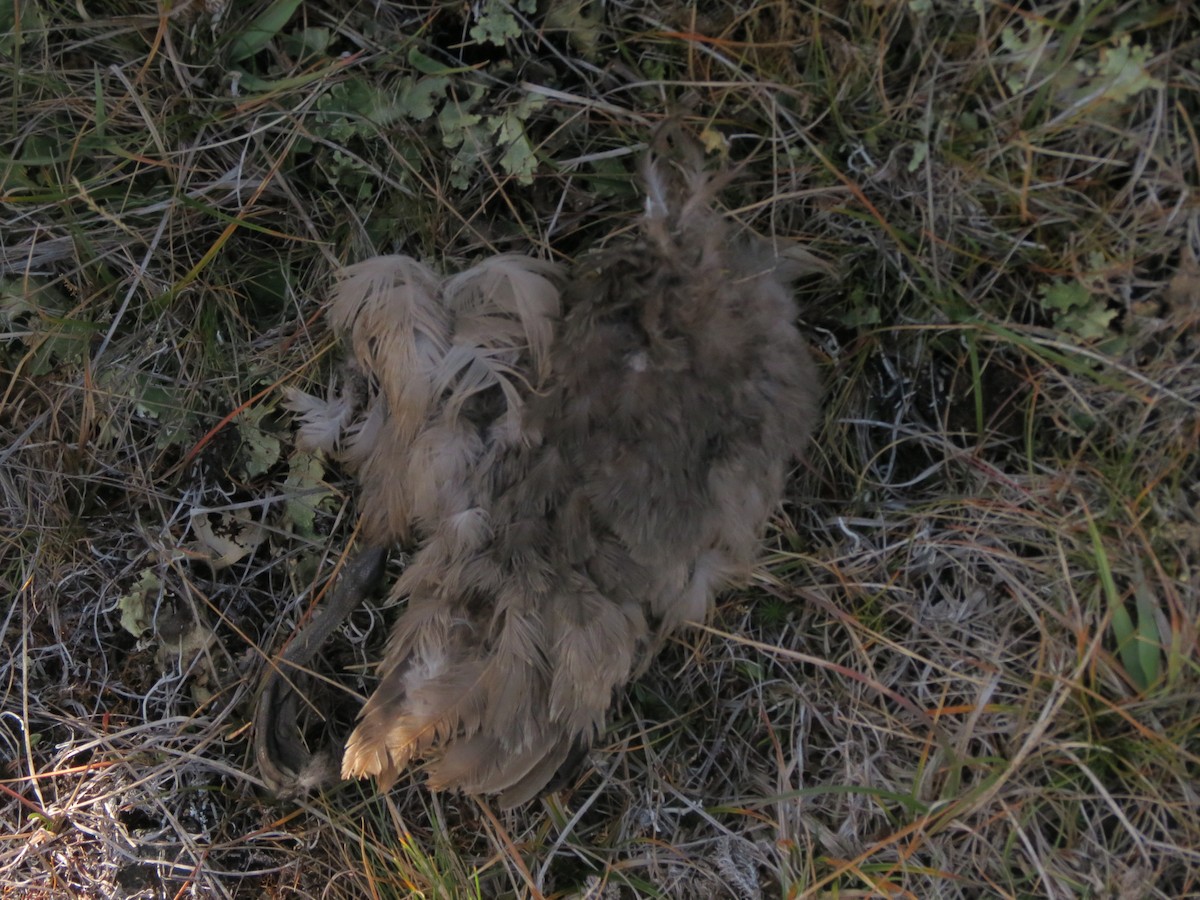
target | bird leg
x=284, y=762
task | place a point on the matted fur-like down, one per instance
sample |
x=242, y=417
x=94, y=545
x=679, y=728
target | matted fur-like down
x=433, y=352
x=583, y=480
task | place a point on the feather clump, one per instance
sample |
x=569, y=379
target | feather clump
x=584, y=459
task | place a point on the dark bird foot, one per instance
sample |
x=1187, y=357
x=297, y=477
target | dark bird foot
x=284, y=762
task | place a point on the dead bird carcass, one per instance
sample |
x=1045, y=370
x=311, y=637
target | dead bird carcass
x=582, y=457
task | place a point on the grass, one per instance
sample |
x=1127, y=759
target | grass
x=968, y=664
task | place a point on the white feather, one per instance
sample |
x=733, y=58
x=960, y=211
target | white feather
x=322, y=422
